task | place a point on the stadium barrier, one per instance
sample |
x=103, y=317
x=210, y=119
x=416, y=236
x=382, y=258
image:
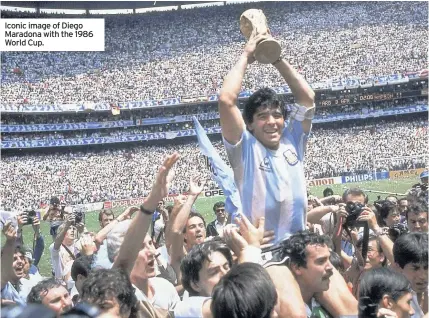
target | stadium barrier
x=324, y=181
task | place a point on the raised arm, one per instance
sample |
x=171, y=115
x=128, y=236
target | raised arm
x=8, y=250
x=139, y=226
x=178, y=223
x=102, y=234
x=60, y=237
x=303, y=93
x=231, y=120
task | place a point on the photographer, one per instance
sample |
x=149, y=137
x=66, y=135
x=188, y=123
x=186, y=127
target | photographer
x=55, y=215
x=67, y=246
x=38, y=244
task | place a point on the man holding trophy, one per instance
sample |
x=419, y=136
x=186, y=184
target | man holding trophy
x=267, y=153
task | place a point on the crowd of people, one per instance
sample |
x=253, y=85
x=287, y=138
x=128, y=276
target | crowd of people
x=186, y=53
x=273, y=249
x=198, y=270
x=90, y=175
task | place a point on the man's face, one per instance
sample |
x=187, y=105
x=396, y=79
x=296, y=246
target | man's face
x=318, y=271
x=145, y=262
x=195, y=231
x=220, y=213
x=418, y=222
x=18, y=265
x=58, y=299
x=393, y=218
x=106, y=219
x=71, y=233
x=417, y=274
x=211, y=273
x=374, y=258
x=424, y=180
x=267, y=126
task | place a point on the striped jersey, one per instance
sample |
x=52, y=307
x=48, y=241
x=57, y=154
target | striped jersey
x=271, y=183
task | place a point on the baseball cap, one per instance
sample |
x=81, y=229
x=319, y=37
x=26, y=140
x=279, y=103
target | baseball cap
x=424, y=174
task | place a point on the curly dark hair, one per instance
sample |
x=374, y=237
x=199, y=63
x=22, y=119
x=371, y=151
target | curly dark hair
x=193, y=262
x=265, y=97
x=105, y=284
x=384, y=208
x=295, y=246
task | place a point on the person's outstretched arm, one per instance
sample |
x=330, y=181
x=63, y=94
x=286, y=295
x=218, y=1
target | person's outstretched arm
x=303, y=93
x=231, y=120
x=140, y=225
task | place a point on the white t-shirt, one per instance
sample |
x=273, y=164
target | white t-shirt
x=165, y=294
x=102, y=259
x=192, y=307
x=61, y=260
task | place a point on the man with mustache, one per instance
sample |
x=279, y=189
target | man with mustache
x=308, y=260
x=266, y=148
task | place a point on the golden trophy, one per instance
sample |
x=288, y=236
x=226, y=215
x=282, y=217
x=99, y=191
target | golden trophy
x=253, y=22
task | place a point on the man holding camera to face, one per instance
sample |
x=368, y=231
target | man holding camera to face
x=68, y=245
x=55, y=215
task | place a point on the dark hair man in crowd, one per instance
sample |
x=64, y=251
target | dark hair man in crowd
x=51, y=293
x=215, y=227
x=266, y=154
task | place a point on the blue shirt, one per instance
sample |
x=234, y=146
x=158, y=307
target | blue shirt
x=271, y=183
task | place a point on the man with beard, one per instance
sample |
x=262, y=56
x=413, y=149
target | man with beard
x=52, y=294
x=410, y=252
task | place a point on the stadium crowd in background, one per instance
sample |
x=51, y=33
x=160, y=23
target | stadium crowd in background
x=109, y=174
x=176, y=57
x=284, y=252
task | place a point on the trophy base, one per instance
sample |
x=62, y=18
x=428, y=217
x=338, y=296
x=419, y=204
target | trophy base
x=268, y=51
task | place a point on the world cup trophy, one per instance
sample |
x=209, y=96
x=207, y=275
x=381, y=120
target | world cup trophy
x=253, y=22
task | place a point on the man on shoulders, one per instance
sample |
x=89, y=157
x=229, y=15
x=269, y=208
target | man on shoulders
x=267, y=157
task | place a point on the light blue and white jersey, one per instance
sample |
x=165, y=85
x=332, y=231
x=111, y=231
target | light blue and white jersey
x=271, y=183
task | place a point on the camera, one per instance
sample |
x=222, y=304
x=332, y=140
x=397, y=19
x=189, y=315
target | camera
x=30, y=214
x=397, y=230
x=78, y=217
x=354, y=210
